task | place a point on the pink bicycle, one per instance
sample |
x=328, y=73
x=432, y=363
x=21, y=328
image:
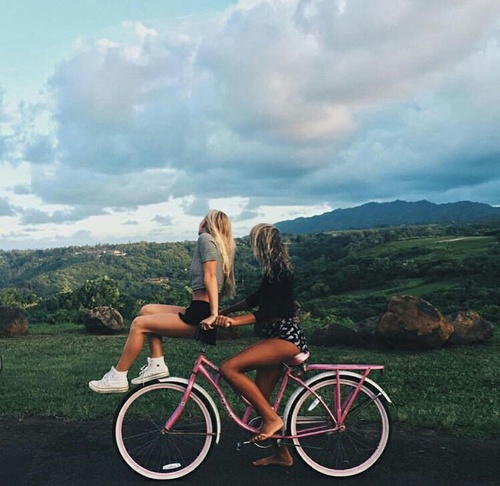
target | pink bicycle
x=336, y=420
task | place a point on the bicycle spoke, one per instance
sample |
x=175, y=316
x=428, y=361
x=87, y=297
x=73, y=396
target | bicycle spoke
x=352, y=446
x=150, y=450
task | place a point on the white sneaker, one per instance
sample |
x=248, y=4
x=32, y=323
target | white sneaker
x=151, y=372
x=111, y=382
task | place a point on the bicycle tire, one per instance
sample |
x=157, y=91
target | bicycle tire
x=138, y=431
x=347, y=452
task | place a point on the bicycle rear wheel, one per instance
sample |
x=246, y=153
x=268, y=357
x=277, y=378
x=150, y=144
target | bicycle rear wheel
x=347, y=451
x=139, y=436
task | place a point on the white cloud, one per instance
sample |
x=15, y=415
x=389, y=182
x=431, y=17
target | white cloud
x=4, y=127
x=6, y=208
x=83, y=187
x=298, y=104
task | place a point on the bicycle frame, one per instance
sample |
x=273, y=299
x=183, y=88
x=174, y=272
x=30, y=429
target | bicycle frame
x=342, y=409
x=210, y=372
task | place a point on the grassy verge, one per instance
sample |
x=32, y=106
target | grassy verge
x=46, y=373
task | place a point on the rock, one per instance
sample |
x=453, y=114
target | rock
x=103, y=320
x=13, y=322
x=470, y=328
x=410, y=322
x=332, y=334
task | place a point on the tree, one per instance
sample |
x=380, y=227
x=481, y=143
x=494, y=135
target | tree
x=11, y=297
x=97, y=292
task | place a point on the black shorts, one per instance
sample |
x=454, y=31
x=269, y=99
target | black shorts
x=195, y=313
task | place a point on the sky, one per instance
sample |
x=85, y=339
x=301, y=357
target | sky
x=127, y=120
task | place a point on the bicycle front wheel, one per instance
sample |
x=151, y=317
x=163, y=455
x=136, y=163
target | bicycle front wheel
x=147, y=448
x=356, y=445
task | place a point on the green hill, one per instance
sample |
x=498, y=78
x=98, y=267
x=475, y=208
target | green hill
x=344, y=275
x=396, y=213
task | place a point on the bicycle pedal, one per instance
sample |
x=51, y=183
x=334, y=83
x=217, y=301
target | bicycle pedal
x=240, y=444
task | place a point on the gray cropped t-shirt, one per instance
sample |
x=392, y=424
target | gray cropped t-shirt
x=206, y=250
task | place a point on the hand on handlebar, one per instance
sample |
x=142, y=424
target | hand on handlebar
x=223, y=321
x=208, y=323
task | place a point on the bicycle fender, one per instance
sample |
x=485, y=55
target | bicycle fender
x=367, y=380
x=330, y=374
x=204, y=394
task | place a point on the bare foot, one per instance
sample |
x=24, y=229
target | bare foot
x=268, y=429
x=282, y=457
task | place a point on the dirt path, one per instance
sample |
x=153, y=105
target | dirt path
x=57, y=453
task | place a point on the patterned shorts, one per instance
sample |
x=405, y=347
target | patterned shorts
x=287, y=329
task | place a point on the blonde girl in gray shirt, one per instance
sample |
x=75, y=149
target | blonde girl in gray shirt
x=211, y=272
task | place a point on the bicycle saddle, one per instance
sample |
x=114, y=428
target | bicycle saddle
x=298, y=359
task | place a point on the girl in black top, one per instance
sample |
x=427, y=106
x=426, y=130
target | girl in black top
x=276, y=321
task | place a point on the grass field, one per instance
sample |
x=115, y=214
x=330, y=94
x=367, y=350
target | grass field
x=46, y=373
x=457, y=247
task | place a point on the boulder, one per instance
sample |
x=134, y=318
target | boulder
x=470, y=328
x=103, y=320
x=13, y=322
x=410, y=322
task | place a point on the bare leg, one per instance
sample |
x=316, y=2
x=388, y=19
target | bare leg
x=264, y=354
x=169, y=325
x=155, y=340
x=281, y=457
x=266, y=380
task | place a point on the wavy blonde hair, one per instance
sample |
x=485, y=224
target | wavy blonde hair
x=219, y=226
x=270, y=250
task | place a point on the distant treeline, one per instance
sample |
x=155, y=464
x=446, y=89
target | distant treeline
x=395, y=213
x=344, y=276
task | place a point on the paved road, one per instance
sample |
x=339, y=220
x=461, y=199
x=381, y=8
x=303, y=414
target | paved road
x=58, y=453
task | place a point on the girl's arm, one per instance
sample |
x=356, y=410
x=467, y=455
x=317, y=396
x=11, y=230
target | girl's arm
x=224, y=321
x=210, y=281
x=239, y=306
x=244, y=320
x=249, y=303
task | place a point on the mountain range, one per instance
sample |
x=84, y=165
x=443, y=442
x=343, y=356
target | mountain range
x=396, y=213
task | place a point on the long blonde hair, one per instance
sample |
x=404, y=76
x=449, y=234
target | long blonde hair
x=219, y=226
x=270, y=250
